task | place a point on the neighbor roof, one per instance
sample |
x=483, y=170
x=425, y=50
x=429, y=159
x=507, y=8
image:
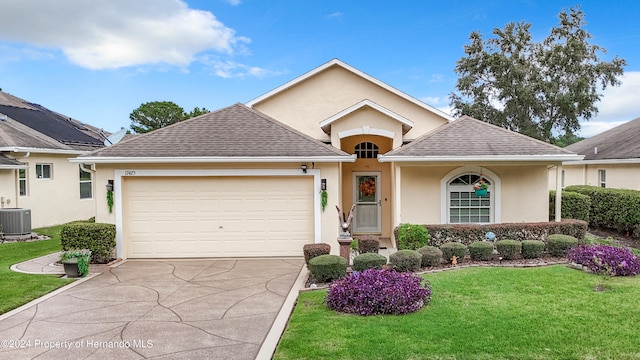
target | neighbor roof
x=234, y=133
x=468, y=139
x=621, y=142
x=6, y=163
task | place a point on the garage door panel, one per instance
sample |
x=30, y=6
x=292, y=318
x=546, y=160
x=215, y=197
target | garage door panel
x=217, y=216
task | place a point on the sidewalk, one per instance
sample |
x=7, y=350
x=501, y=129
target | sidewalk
x=49, y=265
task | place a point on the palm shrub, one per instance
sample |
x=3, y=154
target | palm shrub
x=431, y=256
x=368, y=261
x=405, y=260
x=481, y=250
x=558, y=244
x=313, y=250
x=368, y=244
x=509, y=249
x=412, y=237
x=325, y=268
x=453, y=248
x=532, y=249
x=606, y=259
x=377, y=292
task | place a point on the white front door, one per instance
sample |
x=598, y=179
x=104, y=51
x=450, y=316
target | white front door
x=366, y=196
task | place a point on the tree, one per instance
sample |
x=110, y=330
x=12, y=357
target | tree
x=567, y=139
x=537, y=89
x=158, y=114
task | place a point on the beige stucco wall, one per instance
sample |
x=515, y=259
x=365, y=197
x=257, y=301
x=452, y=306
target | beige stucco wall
x=523, y=192
x=618, y=176
x=52, y=201
x=329, y=218
x=8, y=188
x=327, y=93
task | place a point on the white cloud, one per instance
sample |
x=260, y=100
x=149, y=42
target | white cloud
x=118, y=33
x=231, y=69
x=233, y=2
x=435, y=100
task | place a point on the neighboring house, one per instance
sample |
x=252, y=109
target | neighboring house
x=35, y=172
x=611, y=159
x=246, y=180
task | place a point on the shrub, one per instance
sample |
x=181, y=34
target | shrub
x=412, y=237
x=313, y=250
x=377, y=292
x=574, y=205
x=99, y=238
x=453, y=248
x=368, y=244
x=325, y=268
x=532, y=249
x=481, y=250
x=509, y=249
x=611, y=208
x=606, y=259
x=368, y=261
x=405, y=260
x=558, y=244
x=431, y=256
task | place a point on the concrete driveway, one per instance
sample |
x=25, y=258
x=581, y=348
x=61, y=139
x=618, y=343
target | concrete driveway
x=161, y=309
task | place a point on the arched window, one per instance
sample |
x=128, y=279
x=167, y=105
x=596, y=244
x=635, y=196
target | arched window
x=366, y=150
x=464, y=206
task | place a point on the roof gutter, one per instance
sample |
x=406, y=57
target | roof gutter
x=210, y=159
x=604, y=162
x=40, y=150
x=493, y=158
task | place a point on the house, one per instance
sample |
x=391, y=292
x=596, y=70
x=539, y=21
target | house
x=247, y=180
x=611, y=159
x=35, y=173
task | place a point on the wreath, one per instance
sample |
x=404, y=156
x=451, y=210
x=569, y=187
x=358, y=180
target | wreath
x=368, y=187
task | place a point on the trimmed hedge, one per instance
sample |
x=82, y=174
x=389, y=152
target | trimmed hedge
x=574, y=205
x=325, y=268
x=405, y=260
x=532, y=249
x=481, y=250
x=368, y=244
x=468, y=233
x=558, y=244
x=411, y=237
x=313, y=250
x=616, y=209
x=368, y=261
x=98, y=237
x=453, y=248
x=431, y=256
x=509, y=249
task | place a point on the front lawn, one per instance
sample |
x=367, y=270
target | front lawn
x=17, y=289
x=481, y=313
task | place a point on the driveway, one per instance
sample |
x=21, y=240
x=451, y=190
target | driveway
x=161, y=309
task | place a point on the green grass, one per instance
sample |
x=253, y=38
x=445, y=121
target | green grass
x=17, y=289
x=481, y=313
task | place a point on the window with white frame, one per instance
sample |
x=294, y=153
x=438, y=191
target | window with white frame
x=44, y=171
x=602, y=178
x=464, y=206
x=86, y=184
x=22, y=181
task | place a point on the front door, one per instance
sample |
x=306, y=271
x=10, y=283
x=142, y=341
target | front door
x=366, y=193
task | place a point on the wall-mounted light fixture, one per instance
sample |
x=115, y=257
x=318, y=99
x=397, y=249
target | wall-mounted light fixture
x=323, y=184
x=303, y=167
x=109, y=185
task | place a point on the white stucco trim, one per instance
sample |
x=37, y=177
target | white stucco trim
x=210, y=159
x=366, y=130
x=401, y=119
x=119, y=174
x=496, y=183
x=357, y=72
x=485, y=158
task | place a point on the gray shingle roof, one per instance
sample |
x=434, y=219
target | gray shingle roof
x=6, y=162
x=621, y=142
x=234, y=131
x=467, y=136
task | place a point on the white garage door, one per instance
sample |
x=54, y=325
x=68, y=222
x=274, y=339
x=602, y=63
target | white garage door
x=167, y=217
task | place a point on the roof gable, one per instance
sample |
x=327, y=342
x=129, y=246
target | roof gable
x=232, y=132
x=326, y=123
x=620, y=142
x=469, y=138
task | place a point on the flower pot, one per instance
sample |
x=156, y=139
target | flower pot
x=71, y=268
x=481, y=192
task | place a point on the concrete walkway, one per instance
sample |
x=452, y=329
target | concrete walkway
x=161, y=309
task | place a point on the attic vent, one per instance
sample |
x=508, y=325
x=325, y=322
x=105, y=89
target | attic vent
x=3, y=117
x=595, y=150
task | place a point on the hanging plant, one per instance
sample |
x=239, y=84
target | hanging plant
x=110, y=200
x=323, y=199
x=480, y=187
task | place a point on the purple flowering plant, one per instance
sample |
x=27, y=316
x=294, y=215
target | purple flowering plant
x=606, y=259
x=376, y=292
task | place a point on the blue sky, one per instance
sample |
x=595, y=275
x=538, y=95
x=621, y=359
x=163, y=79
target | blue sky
x=97, y=60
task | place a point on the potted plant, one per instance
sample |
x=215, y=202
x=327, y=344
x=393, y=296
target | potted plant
x=480, y=187
x=76, y=262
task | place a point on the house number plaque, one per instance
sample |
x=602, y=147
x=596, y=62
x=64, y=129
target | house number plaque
x=129, y=173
